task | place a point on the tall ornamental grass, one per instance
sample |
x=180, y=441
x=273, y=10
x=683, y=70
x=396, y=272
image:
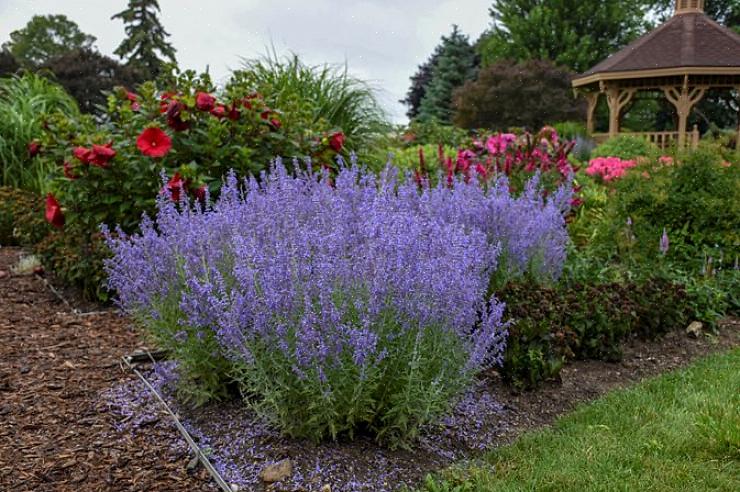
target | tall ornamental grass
x=25, y=102
x=316, y=97
x=344, y=305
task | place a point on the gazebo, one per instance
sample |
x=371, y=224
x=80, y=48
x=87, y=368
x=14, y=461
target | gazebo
x=684, y=57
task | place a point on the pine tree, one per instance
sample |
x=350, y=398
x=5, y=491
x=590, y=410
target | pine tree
x=457, y=63
x=419, y=83
x=145, y=46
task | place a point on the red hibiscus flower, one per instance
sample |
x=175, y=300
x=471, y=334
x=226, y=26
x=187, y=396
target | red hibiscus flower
x=336, y=141
x=153, y=142
x=83, y=155
x=68, y=172
x=276, y=123
x=102, y=154
x=54, y=215
x=204, y=101
x=175, y=186
x=174, y=117
x=219, y=111
x=33, y=149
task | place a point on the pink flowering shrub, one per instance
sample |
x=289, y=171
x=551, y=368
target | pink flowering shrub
x=609, y=168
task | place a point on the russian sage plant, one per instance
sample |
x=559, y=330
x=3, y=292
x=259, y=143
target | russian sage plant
x=355, y=304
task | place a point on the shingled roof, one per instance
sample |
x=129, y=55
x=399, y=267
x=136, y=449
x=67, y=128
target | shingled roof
x=690, y=40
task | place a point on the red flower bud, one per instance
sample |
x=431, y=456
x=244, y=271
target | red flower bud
x=336, y=141
x=54, y=215
x=33, y=149
x=204, y=101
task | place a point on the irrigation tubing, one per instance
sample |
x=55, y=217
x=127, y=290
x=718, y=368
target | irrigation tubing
x=185, y=434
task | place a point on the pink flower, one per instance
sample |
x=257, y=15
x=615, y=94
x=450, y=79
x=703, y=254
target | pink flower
x=82, y=154
x=498, y=144
x=666, y=160
x=219, y=111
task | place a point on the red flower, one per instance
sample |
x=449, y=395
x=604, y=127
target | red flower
x=204, y=101
x=68, y=171
x=154, y=142
x=175, y=186
x=83, y=155
x=102, y=154
x=33, y=149
x=336, y=141
x=276, y=123
x=54, y=215
x=133, y=98
x=174, y=117
x=233, y=112
x=200, y=193
x=219, y=111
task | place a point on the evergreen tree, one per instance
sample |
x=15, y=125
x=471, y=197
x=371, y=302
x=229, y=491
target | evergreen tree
x=8, y=64
x=419, y=83
x=44, y=37
x=456, y=63
x=573, y=33
x=145, y=46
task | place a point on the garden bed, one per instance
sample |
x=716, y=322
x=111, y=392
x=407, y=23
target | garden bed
x=73, y=420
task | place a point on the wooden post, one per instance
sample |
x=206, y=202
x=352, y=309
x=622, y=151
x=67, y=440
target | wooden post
x=683, y=99
x=617, y=99
x=592, y=98
x=695, y=137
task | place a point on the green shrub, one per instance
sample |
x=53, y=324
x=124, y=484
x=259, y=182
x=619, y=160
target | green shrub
x=626, y=147
x=110, y=173
x=21, y=217
x=25, y=104
x=696, y=201
x=569, y=130
x=553, y=324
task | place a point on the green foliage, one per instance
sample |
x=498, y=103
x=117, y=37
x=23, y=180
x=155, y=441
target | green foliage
x=393, y=400
x=695, y=201
x=8, y=64
x=626, y=147
x=314, y=99
x=569, y=130
x=456, y=64
x=419, y=83
x=678, y=432
x=45, y=37
x=553, y=324
x=145, y=46
x=529, y=94
x=574, y=33
x=21, y=217
x=26, y=104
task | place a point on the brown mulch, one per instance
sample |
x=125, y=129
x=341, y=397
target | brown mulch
x=56, y=433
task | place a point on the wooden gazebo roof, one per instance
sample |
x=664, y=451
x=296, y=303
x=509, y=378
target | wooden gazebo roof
x=689, y=43
x=684, y=57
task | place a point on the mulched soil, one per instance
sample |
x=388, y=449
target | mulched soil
x=62, y=428
x=56, y=433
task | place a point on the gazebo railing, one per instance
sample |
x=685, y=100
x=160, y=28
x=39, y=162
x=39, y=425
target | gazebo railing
x=662, y=140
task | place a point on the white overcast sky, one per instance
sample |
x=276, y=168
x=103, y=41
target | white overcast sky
x=382, y=41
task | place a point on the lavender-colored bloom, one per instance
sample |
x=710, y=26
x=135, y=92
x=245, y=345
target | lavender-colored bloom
x=336, y=281
x=664, y=243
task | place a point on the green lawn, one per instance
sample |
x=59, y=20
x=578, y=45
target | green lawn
x=677, y=432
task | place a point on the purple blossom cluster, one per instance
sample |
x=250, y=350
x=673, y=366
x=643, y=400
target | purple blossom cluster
x=344, y=296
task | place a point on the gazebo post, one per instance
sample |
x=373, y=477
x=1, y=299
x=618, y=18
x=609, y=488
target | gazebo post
x=684, y=100
x=617, y=98
x=592, y=98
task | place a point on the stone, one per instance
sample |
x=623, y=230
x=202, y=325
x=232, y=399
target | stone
x=277, y=472
x=694, y=329
x=326, y=488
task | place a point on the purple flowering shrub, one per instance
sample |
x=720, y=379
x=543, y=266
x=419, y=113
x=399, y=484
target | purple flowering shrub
x=338, y=305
